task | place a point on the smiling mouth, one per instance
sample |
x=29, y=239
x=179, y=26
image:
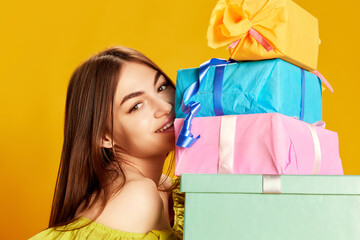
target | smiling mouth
x=167, y=126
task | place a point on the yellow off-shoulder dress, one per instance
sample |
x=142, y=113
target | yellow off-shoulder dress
x=98, y=231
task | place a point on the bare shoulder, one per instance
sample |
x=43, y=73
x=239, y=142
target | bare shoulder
x=136, y=208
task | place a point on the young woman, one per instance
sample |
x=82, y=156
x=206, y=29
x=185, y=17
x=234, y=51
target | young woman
x=118, y=131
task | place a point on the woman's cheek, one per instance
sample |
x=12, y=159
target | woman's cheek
x=141, y=122
x=170, y=100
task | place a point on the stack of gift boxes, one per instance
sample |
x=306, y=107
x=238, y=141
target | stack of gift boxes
x=254, y=157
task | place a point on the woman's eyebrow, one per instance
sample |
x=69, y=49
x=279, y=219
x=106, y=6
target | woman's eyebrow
x=157, y=76
x=136, y=94
x=131, y=95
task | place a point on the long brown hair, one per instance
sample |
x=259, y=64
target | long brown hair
x=84, y=166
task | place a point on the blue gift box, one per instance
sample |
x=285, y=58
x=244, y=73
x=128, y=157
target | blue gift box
x=253, y=87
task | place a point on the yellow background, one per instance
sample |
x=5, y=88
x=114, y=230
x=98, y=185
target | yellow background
x=43, y=41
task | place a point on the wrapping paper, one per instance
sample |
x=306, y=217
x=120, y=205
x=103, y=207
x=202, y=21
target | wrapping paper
x=255, y=87
x=249, y=26
x=233, y=206
x=268, y=143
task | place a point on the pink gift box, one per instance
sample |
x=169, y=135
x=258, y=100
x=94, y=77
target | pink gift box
x=266, y=143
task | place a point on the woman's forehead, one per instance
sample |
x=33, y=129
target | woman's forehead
x=135, y=77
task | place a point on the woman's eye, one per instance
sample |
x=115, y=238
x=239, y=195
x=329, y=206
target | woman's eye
x=136, y=107
x=163, y=87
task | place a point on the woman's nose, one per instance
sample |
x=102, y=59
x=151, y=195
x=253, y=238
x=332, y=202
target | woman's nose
x=163, y=107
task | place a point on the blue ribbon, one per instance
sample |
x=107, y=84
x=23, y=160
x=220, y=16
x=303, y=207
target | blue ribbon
x=186, y=138
x=218, y=82
x=302, y=104
x=194, y=88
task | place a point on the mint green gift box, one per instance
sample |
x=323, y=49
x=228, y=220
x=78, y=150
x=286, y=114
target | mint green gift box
x=238, y=206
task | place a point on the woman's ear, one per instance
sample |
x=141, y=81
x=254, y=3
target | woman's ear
x=106, y=142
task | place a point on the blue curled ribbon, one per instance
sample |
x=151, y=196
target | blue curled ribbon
x=302, y=104
x=186, y=139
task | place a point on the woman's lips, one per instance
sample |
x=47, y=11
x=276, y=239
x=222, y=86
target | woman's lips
x=169, y=129
x=168, y=126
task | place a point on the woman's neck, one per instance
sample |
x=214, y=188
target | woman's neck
x=146, y=167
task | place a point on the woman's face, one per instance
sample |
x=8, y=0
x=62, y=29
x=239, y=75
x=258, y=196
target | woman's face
x=143, y=112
